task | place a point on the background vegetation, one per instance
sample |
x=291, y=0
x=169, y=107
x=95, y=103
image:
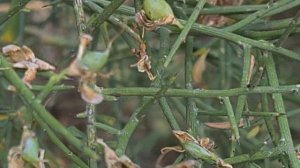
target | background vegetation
x=231, y=74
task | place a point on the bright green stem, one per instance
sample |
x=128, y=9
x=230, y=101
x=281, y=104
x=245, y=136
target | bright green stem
x=107, y=12
x=138, y=114
x=107, y=128
x=246, y=69
x=59, y=144
x=36, y=105
x=251, y=18
x=196, y=93
x=191, y=109
x=185, y=31
x=233, y=123
x=131, y=125
x=243, y=40
x=282, y=119
x=168, y=113
x=260, y=155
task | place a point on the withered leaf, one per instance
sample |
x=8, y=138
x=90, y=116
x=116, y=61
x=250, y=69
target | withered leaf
x=200, y=66
x=184, y=136
x=253, y=132
x=223, y=125
x=113, y=161
x=252, y=64
x=14, y=158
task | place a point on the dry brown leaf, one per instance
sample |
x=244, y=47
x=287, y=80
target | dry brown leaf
x=222, y=164
x=184, y=136
x=142, y=20
x=143, y=64
x=222, y=125
x=199, y=67
x=113, y=161
x=14, y=158
x=29, y=76
x=164, y=151
x=17, y=54
x=23, y=57
x=252, y=64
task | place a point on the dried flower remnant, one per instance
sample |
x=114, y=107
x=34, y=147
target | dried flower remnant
x=24, y=58
x=87, y=66
x=142, y=20
x=143, y=64
x=207, y=143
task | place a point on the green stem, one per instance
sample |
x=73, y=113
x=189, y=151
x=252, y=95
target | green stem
x=279, y=106
x=191, y=108
x=13, y=11
x=36, y=105
x=256, y=156
x=61, y=87
x=107, y=128
x=245, y=76
x=91, y=132
x=266, y=114
x=107, y=12
x=168, y=113
x=234, y=126
x=79, y=13
x=251, y=18
x=196, y=93
x=59, y=144
x=185, y=31
x=215, y=32
x=138, y=114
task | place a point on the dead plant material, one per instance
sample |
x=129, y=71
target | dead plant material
x=143, y=64
x=199, y=66
x=207, y=143
x=24, y=58
x=252, y=64
x=113, y=161
x=142, y=20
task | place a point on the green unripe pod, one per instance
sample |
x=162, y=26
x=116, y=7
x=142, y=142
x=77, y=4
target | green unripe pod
x=157, y=9
x=30, y=150
x=94, y=60
x=199, y=152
